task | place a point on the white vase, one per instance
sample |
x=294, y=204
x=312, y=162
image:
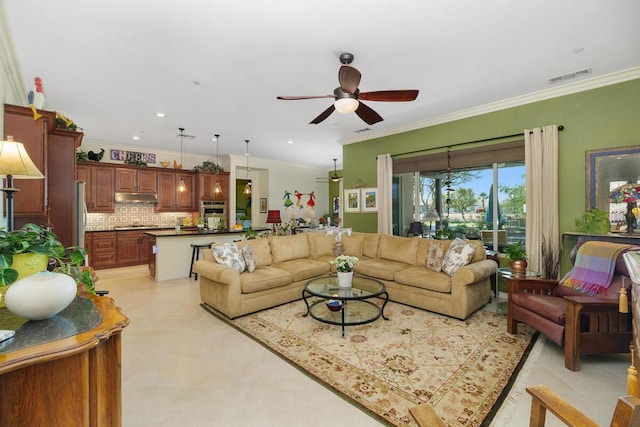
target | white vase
x=345, y=279
x=41, y=295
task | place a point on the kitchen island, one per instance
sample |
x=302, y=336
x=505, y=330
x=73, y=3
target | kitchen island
x=171, y=251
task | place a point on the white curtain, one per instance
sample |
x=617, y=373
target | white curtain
x=385, y=174
x=541, y=159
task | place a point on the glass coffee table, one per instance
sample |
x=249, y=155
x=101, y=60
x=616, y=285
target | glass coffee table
x=353, y=306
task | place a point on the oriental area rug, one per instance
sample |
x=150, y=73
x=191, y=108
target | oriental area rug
x=462, y=368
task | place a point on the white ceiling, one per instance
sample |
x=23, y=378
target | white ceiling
x=111, y=65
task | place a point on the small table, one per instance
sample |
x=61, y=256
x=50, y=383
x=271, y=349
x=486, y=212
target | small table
x=355, y=310
x=508, y=274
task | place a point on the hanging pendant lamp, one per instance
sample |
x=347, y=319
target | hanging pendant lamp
x=335, y=177
x=217, y=189
x=247, y=186
x=182, y=187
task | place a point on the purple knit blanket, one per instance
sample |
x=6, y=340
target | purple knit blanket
x=593, y=270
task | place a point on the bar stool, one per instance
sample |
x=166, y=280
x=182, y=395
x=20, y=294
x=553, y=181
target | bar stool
x=195, y=255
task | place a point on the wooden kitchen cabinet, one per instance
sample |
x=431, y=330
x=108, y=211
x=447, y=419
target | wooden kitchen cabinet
x=130, y=180
x=207, y=182
x=100, y=186
x=133, y=248
x=169, y=199
x=104, y=249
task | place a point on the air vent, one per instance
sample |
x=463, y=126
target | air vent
x=362, y=130
x=570, y=76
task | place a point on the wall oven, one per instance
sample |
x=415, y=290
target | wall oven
x=214, y=209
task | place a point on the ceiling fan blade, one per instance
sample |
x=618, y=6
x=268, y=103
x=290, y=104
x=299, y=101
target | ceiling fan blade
x=367, y=114
x=326, y=113
x=295, y=98
x=389, y=95
x=349, y=78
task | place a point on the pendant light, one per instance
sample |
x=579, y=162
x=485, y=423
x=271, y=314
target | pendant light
x=335, y=177
x=247, y=186
x=182, y=187
x=217, y=189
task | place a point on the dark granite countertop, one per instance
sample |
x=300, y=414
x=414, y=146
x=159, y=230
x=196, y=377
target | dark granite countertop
x=80, y=316
x=195, y=232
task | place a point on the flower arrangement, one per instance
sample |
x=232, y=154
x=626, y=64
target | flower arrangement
x=345, y=263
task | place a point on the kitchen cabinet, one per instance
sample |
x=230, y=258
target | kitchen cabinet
x=171, y=200
x=131, y=180
x=133, y=248
x=100, y=186
x=47, y=201
x=104, y=249
x=207, y=182
x=151, y=242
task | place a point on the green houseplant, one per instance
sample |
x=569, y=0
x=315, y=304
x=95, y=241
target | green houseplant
x=517, y=255
x=33, y=239
x=594, y=221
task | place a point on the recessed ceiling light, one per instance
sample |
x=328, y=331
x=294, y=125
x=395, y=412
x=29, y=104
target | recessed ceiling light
x=197, y=83
x=161, y=115
x=289, y=142
x=136, y=138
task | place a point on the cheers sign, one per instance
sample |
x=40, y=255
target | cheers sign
x=133, y=156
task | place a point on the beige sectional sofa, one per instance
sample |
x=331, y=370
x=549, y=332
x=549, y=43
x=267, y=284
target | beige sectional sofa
x=285, y=263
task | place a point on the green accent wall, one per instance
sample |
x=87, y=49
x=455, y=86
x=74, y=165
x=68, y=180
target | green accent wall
x=599, y=118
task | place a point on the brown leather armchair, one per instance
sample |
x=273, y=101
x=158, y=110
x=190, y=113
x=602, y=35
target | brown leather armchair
x=582, y=324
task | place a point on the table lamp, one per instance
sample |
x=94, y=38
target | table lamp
x=15, y=163
x=628, y=193
x=273, y=217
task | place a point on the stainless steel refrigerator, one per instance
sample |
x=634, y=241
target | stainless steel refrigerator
x=79, y=214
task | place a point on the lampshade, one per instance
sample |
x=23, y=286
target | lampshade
x=627, y=193
x=432, y=215
x=15, y=161
x=415, y=228
x=346, y=105
x=273, y=217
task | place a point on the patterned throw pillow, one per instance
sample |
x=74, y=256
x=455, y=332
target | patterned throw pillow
x=459, y=254
x=249, y=259
x=435, y=256
x=230, y=255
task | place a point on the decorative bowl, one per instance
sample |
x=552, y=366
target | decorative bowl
x=334, y=305
x=165, y=164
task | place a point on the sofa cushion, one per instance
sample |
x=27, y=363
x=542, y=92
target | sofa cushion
x=264, y=278
x=302, y=269
x=380, y=268
x=249, y=259
x=370, y=243
x=353, y=245
x=547, y=306
x=425, y=278
x=458, y=255
x=261, y=251
x=435, y=256
x=230, y=255
x=285, y=248
x=395, y=248
x=320, y=244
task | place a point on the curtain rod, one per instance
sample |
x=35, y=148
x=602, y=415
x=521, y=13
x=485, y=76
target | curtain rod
x=561, y=127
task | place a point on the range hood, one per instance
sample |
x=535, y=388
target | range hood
x=137, y=197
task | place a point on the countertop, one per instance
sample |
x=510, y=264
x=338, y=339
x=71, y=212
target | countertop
x=194, y=232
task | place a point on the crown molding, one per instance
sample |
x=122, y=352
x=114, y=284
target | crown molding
x=567, y=89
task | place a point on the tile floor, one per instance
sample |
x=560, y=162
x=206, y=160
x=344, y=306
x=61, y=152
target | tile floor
x=181, y=366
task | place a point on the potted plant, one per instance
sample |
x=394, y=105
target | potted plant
x=41, y=249
x=517, y=257
x=246, y=221
x=594, y=221
x=345, y=266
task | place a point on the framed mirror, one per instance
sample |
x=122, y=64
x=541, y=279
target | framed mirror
x=608, y=169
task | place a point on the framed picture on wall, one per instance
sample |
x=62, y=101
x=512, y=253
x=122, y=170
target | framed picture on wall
x=369, y=200
x=352, y=198
x=335, y=203
x=263, y=205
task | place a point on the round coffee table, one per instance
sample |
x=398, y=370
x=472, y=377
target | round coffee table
x=355, y=309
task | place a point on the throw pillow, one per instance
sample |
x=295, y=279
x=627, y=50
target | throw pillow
x=435, y=256
x=458, y=255
x=228, y=254
x=249, y=259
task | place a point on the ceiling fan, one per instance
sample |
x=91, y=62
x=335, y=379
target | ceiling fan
x=348, y=96
x=334, y=178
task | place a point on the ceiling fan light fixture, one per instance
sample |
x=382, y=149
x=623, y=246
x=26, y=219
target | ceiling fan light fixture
x=346, y=105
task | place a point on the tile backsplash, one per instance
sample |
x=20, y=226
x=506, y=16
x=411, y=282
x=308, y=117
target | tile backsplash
x=132, y=213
